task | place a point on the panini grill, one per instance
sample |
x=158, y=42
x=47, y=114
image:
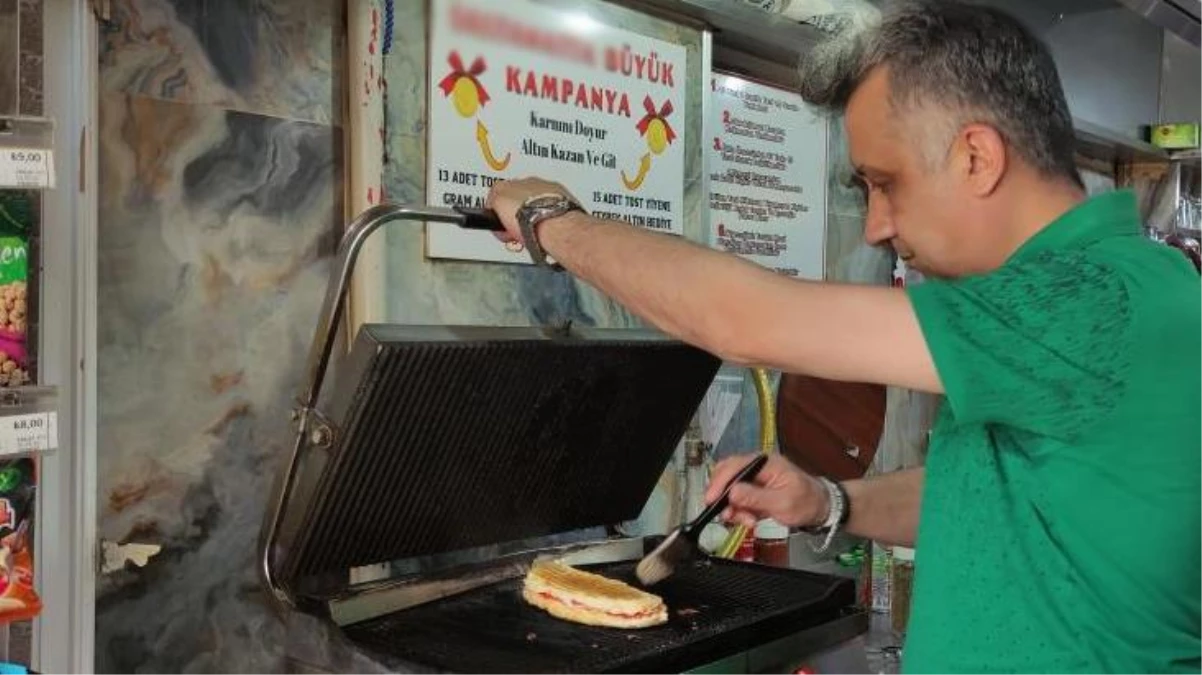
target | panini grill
x=437, y=440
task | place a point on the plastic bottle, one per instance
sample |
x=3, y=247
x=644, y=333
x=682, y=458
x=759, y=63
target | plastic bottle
x=882, y=562
x=902, y=579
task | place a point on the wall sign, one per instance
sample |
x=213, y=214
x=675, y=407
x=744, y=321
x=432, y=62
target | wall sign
x=520, y=89
x=767, y=163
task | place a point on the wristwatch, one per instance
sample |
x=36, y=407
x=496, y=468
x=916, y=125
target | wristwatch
x=535, y=210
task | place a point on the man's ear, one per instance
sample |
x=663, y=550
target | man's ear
x=986, y=158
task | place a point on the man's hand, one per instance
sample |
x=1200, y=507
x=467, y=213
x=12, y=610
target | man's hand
x=507, y=196
x=781, y=491
x=883, y=508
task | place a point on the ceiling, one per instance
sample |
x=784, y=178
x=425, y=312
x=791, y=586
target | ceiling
x=1180, y=17
x=1176, y=16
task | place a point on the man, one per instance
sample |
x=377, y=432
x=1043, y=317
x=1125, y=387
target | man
x=1060, y=500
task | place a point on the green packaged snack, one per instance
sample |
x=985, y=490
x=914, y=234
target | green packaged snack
x=16, y=219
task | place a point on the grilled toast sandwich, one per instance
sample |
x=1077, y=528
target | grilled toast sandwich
x=583, y=597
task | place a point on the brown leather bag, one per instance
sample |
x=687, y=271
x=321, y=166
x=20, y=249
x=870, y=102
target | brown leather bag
x=829, y=428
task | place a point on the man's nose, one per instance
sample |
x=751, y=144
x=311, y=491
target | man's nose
x=878, y=224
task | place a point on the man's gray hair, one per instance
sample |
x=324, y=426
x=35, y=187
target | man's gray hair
x=977, y=63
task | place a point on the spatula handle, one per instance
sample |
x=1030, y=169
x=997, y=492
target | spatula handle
x=746, y=474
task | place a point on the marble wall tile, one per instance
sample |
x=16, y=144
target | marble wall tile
x=216, y=228
x=10, y=57
x=844, y=197
x=272, y=57
x=850, y=259
x=31, y=58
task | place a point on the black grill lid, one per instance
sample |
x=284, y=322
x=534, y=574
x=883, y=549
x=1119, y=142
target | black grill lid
x=450, y=438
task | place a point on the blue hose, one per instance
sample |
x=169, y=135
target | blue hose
x=389, y=13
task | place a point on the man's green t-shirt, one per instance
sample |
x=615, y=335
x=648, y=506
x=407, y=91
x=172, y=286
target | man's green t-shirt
x=1060, y=517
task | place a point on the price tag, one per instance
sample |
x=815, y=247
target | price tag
x=26, y=168
x=36, y=432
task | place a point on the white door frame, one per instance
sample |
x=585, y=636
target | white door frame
x=64, y=634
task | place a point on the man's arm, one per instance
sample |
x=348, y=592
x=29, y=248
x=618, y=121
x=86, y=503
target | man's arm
x=883, y=508
x=733, y=308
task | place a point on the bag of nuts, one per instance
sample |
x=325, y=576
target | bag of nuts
x=13, y=363
x=15, y=221
x=12, y=309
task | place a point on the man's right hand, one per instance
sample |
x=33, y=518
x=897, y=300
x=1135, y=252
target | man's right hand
x=781, y=491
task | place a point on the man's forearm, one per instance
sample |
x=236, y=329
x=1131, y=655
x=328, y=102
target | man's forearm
x=684, y=293
x=885, y=508
x=745, y=313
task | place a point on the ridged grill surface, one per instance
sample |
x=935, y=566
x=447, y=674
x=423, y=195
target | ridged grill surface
x=452, y=445
x=715, y=608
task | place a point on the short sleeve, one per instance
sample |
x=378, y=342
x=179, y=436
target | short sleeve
x=1041, y=345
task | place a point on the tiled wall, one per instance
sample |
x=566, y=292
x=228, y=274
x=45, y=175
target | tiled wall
x=220, y=202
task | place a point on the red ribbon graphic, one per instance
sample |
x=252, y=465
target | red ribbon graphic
x=458, y=71
x=652, y=114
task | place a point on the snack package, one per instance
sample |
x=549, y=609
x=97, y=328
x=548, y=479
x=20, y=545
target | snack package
x=16, y=218
x=18, y=492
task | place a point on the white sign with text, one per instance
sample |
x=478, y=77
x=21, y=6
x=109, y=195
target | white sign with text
x=521, y=89
x=767, y=163
x=34, y=432
x=26, y=168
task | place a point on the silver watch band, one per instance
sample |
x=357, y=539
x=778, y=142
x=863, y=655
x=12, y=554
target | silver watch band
x=533, y=246
x=837, y=508
x=529, y=217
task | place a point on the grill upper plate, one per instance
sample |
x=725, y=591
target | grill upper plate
x=452, y=438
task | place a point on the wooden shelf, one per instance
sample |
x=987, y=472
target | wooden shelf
x=1190, y=157
x=1097, y=142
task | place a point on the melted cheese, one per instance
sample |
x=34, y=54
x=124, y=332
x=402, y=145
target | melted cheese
x=638, y=615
